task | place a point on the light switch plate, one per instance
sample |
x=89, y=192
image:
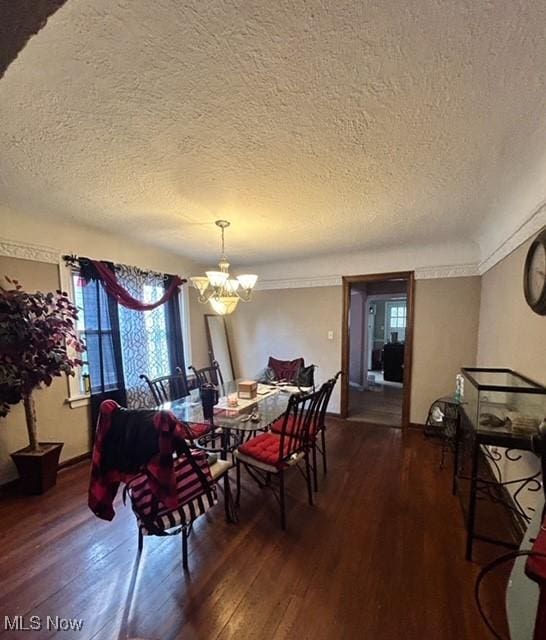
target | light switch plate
x=330, y=335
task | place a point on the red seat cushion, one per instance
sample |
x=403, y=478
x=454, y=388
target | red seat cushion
x=265, y=448
x=194, y=430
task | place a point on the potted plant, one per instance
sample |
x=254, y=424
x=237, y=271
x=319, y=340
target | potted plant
x=37, y=337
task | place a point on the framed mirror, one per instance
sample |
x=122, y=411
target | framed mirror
x=218, y=343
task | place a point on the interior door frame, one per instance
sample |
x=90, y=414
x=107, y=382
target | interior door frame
x=347, y=282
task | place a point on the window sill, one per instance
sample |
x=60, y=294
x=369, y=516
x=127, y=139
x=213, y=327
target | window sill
x=77, y=401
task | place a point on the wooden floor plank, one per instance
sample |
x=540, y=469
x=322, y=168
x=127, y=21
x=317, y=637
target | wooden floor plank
x=380, y=555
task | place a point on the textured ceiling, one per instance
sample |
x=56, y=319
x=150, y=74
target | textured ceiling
x=322, y=126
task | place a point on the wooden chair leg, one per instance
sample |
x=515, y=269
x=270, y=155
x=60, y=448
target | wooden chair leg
x=140, y=540
x=238, y=479
x=184, y=549
x=323, y=438
x=308, y=478
x=315, y=473
x=281, y=500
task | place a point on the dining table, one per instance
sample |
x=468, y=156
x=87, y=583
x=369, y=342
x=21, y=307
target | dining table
x=234, y=424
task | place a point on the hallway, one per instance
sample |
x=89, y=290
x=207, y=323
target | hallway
x=381, y=403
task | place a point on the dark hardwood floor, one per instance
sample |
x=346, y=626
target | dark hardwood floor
x=380, y=556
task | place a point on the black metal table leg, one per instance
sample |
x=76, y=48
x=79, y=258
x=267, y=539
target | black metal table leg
x=458, y=435
x=471, y=520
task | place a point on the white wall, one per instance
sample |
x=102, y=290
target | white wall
x=512, y=335
x=368, y=262
x=287, y=324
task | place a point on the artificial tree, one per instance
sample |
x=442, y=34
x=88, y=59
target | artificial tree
x=37, y=337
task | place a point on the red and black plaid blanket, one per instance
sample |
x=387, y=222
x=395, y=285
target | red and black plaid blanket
x=104, y=483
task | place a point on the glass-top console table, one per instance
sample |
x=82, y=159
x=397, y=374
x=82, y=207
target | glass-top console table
x=502, y=410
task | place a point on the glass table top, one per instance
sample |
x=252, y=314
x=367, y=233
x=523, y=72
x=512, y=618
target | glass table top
x=500, y=378
x=270, y=404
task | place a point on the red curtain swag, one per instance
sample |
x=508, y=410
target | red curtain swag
x=124, y=298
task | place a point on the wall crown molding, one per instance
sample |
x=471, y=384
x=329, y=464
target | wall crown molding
x=447, y=271
x=529, y=228
x=534, y=223
x=299, y=283
x=27, y=251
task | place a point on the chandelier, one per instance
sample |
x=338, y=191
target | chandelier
x=219, y=288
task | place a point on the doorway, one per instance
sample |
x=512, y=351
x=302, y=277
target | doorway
x=377, y=336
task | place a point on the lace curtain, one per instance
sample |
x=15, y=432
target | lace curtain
x=144, y=344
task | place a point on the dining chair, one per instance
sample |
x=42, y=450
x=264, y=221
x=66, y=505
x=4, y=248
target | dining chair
x=271, y=454
x=316, y=427
x=167, y=388
x=322, y=424
x=131, y=447
x=208, y=375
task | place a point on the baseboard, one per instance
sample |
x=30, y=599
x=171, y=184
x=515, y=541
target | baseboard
x=332, y=414
x=417, y=425
x=75, y=460
x=7, y=486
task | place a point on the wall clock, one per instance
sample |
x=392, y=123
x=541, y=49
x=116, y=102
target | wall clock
x=534, y=276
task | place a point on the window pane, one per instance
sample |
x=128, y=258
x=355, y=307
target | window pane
x=102, y=372
x=94, y=340
x=143, y=336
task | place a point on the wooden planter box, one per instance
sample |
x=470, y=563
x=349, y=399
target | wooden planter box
x=38, y=471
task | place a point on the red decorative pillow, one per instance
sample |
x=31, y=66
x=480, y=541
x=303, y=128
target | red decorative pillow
x=285, y=369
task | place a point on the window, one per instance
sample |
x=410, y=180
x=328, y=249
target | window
x=156, y=330
x=396, y=318
x=95, y=329
x=122, y=343
x=131, y=342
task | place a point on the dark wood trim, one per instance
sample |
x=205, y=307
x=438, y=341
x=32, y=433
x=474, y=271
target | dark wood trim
x=344, y=401
x=417, y=425
x=347, y=282
x=75, y=460
x=374, y=277
x=8, y=486
x=408, y=351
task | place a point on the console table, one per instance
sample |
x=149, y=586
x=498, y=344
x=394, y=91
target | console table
x=473, y=442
